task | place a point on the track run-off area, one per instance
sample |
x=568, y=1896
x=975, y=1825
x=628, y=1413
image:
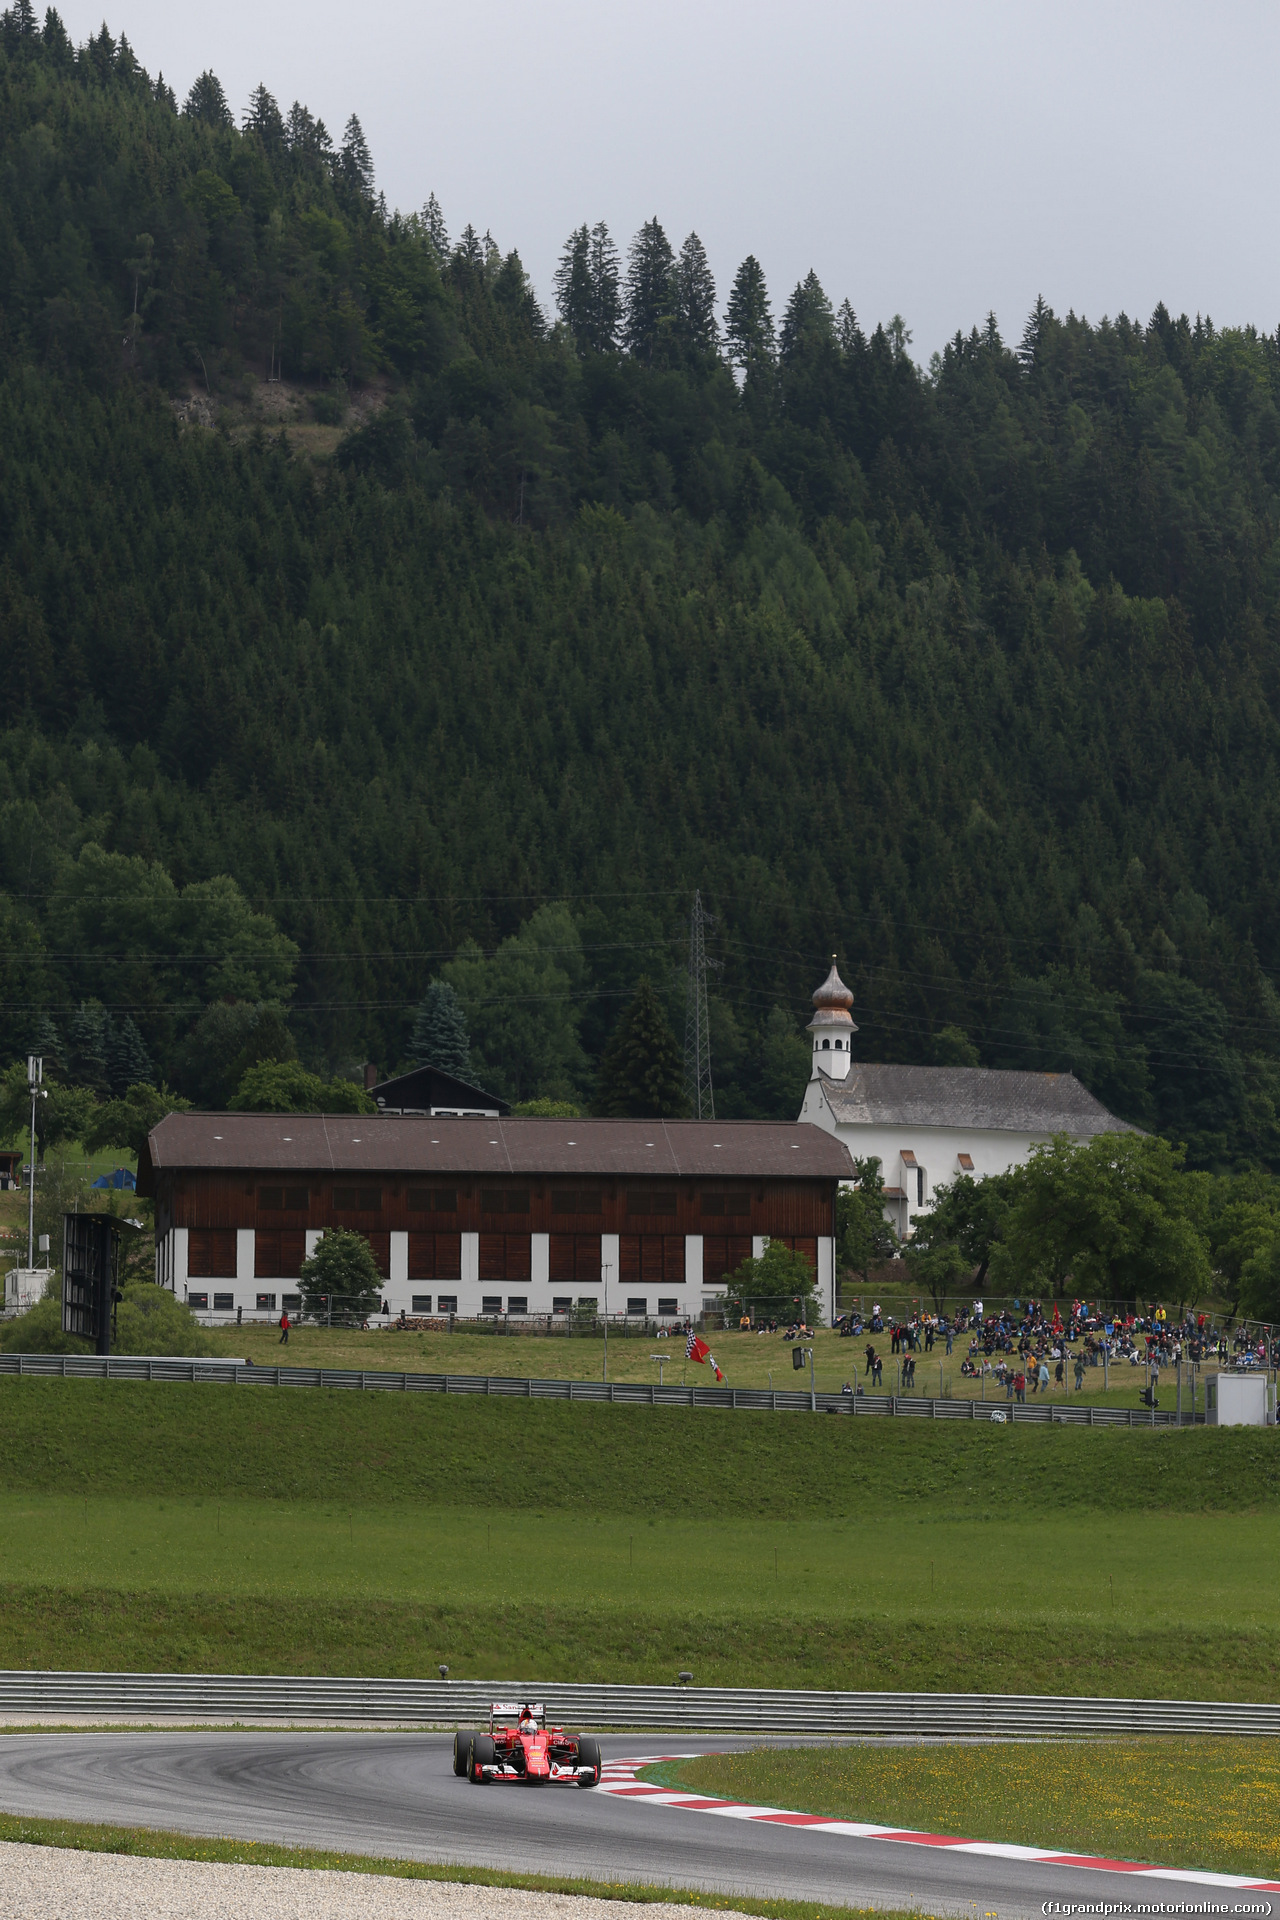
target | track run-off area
x=395, y=1795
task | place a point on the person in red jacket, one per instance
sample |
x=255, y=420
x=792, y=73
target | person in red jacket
x=284, y=1328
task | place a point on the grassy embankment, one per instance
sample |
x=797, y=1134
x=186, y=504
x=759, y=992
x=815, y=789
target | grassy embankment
x=1202, y=1803
x=226, y=1528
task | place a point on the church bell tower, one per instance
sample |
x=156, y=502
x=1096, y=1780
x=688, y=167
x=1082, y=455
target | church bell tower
x=832, y=1027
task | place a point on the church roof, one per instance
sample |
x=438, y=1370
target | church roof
x=832, y=1002
x=969, y=1098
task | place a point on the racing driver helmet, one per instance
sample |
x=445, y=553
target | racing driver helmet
x=528, y=1720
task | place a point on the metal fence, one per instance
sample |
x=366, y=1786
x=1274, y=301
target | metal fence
x=639, y=1393
x=448, y=1703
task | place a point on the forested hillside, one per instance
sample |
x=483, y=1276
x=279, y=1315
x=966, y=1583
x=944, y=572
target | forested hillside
x=969, y=672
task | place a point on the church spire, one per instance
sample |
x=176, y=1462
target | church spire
x=832, y=1027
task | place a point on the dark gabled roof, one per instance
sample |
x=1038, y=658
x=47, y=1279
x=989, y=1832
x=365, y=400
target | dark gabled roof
x=394, y=1143
x=427, y=1087
x=968, y=1098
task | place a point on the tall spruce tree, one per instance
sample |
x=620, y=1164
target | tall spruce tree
x=355, y=162
x=808, y=321
x=207, y=101
x=433, y=225
x=263, y=117
x=748, y=325
x=649, y=291
x=642, y=1069
x=440, y=1037
x=573, y=287
x=694, y=298
x=606, y=289
x=127, y=1060
x=848, y=332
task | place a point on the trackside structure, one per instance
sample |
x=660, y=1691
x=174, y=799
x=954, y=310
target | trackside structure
x=486, y=1215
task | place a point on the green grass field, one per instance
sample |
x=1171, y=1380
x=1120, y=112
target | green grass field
x=1209, y=1804
x=302, y=1531
x=747, y=1360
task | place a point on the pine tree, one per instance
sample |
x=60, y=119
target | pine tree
x=808, y=321
x=1037, y=327
x=642, y=1069
x=127, y=1061
x=573, y=287
x=468, y=255
x=164, y=94
x=207, y=101
x=263, y=117
x=848, y=332
x=440, y=1036
x=606, y=290
x=46, y=1041
x=433, y=226
x=649, y=269
x=355, y=162
x=694, y=298
x=307, y=138
x=87, y=1042
x=748, y=325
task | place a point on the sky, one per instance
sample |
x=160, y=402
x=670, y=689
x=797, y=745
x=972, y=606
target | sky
x=938, y=159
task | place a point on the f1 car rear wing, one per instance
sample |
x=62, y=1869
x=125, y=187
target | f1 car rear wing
x=512, y=1710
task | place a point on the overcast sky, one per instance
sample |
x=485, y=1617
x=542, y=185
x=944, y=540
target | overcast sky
x=934, y=158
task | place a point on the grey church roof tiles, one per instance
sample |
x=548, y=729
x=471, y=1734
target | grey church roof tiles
x=969, y=1098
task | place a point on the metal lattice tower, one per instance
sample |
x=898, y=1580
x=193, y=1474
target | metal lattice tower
x=697, y=1025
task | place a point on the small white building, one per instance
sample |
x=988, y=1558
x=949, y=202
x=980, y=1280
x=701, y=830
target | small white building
x=927, y=1125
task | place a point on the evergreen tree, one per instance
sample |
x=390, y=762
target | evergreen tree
x=206, y=101
x=606, y=290
x=164, y=95
x=263, y=117
x=573, y=288
x=308, y=139
x=440, y=1036
x=355, y=162
x=694, y=298
x=848, y=332
x=748, y=326
x=808, y=321
x=433, y=226
x=642, y=1070
x=88, y=1039
x=127, y=1060
x=650, y=263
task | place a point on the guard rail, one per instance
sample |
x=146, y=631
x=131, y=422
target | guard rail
x=688, y=1709
x=644, y=1393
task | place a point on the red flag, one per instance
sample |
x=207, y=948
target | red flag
x=697, y=1349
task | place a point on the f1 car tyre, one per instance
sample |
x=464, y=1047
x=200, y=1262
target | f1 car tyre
x=462, y=1751
x=588, y=1757
x=483, y=1754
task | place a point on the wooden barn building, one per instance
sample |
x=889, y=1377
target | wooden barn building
x=486, y=1216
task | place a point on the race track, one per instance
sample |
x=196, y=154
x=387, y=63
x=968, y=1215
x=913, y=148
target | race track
x=395, y=1794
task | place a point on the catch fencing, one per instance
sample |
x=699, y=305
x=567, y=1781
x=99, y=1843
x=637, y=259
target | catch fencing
x=640, y=1393
x=687, y=1709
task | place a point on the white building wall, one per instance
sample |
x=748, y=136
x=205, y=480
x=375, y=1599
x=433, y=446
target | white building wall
x=399, y=1280
x=540, y=1271
x=244, y=1255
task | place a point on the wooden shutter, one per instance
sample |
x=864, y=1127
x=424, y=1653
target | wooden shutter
x=493, y=1256
x=380, y=1248
x=211, y=1253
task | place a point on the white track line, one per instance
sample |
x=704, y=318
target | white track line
x=618, y=1777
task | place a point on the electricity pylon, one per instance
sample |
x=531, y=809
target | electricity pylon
x=697, y=1025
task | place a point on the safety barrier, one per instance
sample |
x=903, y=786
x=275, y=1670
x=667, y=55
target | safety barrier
x=644, y=1393
x=687, y=1709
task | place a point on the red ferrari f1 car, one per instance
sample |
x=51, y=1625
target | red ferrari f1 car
x=521, y=1746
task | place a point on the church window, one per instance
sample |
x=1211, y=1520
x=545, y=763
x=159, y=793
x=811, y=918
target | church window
x=826, y=1046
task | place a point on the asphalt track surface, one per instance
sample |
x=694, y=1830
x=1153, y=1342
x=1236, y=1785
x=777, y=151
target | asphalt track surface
x=395, y=1794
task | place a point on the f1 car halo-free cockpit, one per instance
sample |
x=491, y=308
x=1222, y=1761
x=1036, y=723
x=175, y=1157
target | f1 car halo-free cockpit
x=521, y=1746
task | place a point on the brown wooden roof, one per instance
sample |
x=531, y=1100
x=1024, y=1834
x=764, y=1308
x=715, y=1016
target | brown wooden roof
x=385, y=1143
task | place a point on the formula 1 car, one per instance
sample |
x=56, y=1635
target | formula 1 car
x=521, y=1746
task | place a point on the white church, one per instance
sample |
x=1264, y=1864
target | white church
x=927, y=1125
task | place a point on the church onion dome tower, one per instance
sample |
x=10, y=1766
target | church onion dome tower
x=832, y=1027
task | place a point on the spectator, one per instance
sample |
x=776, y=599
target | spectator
x=1020, y=1388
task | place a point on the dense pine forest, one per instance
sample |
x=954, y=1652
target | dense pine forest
x=522, y=621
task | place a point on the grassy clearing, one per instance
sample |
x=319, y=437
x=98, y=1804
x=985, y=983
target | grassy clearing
x=1210, y=1804
x=747, y=1360
x=154, y=1844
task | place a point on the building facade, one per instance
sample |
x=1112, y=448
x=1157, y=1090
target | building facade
x=927, y=1125
x=481, y=1216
